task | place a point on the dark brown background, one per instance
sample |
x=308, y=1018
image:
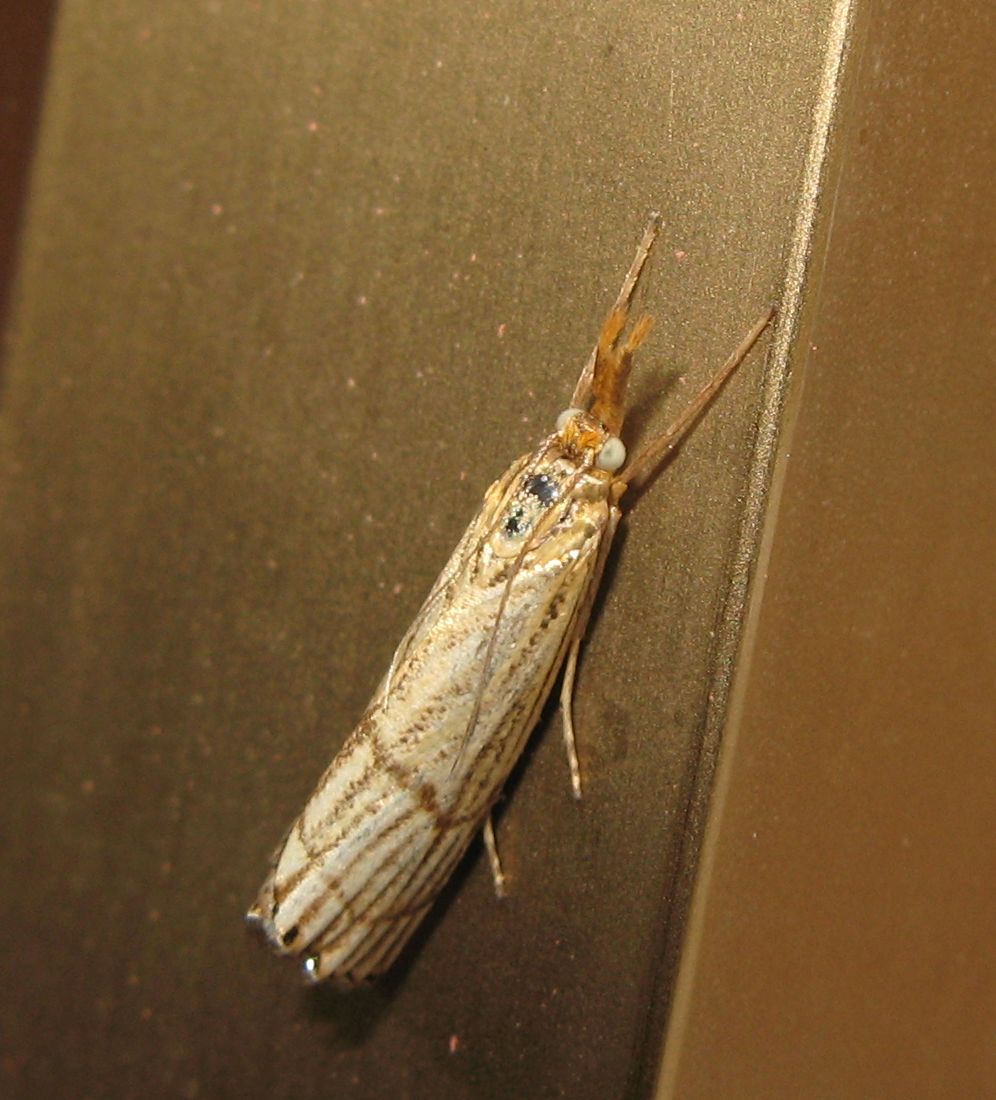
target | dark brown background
x=296, y=281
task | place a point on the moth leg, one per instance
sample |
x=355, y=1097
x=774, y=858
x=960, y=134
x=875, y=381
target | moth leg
x=574, y=649
x=497, y=874
x=567, y=713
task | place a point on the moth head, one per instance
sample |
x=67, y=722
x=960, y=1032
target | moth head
x=586, y=439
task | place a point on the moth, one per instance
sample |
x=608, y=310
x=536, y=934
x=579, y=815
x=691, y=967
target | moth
x=418, y=777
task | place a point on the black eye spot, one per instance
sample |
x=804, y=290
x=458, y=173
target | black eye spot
x=541, y=486
x=514, y=524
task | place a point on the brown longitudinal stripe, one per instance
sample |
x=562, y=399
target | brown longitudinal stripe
x=371, y=931
x=490, y=761
x=430, y=874
x=398, y=872
x=436, y=867
x=407, y=659
x=445, y=845
x=428, y=805
x=282, y=889
x=424, y=795
x=387, y=950
x=344, y=874
x=332, y=889
x=424, y=791
x=374, y=955
x=507, y=726
x=349, y=802
x=498, y=753
x=350, y=817
x=346, y=798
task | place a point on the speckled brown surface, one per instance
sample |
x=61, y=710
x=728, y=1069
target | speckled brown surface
x=297, y=282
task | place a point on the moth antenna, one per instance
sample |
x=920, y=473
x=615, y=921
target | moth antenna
x=656, y=449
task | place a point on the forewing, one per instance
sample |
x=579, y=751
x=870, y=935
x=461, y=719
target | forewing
x=403, y=799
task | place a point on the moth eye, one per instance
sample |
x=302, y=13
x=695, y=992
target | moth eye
x=612, y=455
x=566, y=416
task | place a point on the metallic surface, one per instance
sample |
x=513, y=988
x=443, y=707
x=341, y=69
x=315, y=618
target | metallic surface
x=297, y=281
x=841, y=942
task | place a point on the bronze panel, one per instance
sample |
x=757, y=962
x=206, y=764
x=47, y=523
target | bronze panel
x=843, y=932
x=298, y=280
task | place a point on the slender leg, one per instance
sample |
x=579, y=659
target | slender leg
x=497, y=874
x=567, y=713
x=574, y=648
